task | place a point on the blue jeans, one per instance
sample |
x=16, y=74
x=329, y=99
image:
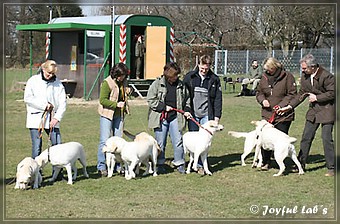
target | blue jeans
x=161, y=135
x=37, y=141
x=193, y=127
x=106, y=126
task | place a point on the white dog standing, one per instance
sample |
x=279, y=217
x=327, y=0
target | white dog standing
x=28, y=174
x=112, y=150
x=139, y=151
x=197, y=144
x=270, y=138
x=64, y=155
x=249, y=143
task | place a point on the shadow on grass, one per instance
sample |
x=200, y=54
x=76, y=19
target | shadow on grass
x=218, y=163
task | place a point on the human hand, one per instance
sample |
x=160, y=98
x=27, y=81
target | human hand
x=168, y=108
x=284, y=110
x=276, y=107
x=49, y=107
x=120, y=104
x=187, y=115
x=312, y=97
x=265, y=103
x=53, y=122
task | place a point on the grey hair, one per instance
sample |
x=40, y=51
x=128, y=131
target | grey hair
x=310, y=60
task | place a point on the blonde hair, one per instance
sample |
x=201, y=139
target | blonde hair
x=271, y=63
x=49, y=66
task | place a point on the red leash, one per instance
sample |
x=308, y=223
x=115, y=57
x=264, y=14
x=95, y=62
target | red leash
x=193, y=119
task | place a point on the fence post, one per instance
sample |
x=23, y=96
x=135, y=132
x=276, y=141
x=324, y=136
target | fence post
x=216, y=61
x=225, y=61
x=301, y=55
x=331, y=61
x=247, y=61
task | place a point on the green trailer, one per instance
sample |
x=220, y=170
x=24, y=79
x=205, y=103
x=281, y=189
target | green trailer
x=82, y=47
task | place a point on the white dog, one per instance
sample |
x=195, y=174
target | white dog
x=270, y=138
x=139, y=151
x=28, y=174
x=197, y=144
x=112, y=150
x=249, y=143
x=64, y=155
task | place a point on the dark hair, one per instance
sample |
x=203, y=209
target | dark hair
x=171, y=69
x=119, y=69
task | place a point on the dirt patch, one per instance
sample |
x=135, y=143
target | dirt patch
x=81, y=101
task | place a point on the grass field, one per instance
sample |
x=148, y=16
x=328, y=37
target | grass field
x=232, y=193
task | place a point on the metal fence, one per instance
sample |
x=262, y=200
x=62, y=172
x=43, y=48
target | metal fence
x=238, y=62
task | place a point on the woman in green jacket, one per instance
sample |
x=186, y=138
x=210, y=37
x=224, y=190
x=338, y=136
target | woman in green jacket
x=112, y=108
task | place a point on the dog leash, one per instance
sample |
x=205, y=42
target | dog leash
x=42, y=127
x=272, y=118
x=193, y=119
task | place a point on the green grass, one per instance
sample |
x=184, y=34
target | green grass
x=226, y=195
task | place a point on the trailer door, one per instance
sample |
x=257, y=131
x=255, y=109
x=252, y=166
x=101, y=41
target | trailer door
x=155, y=52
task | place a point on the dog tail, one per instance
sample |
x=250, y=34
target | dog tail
x=292, y=139
x=238, y=134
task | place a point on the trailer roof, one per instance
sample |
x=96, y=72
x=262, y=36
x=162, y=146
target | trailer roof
x=94, y=23
x=94, y=20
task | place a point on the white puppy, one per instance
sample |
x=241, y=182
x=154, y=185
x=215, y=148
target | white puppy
x=64, y=155
x=112, y=150
x=249, y=143
x=28, y=174
x=197, y=144
x=139, y=151
x=270, y=138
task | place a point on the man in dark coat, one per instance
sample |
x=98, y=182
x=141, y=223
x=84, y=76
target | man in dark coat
x=205, y=96
x=318, y=85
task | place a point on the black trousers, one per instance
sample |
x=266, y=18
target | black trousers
x=266, y=154
x=327, y=141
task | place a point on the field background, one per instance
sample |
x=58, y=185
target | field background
x=228, y=195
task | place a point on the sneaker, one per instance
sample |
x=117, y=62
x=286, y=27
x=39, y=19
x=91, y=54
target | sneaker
x=200, y=171
x=181, y=169
x=330, y=173
x=265, y=167
x=102, y=173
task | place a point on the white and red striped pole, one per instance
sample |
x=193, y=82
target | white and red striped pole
x=122, y=44
x=47, y=45
x=48, y=36
x=172, y=40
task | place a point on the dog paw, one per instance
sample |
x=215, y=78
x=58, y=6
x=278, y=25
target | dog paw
x=155, y=174
x=209, y=173
x=70, y=183
x=277, y=175
x=51, y=180
x=243, y=164
x=301, y=173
